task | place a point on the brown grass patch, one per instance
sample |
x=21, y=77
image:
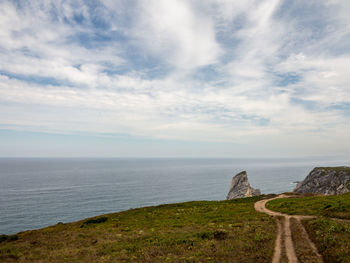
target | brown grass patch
x=302, y=247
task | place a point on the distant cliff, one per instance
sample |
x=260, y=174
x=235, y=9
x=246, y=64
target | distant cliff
x=241, y=188
x=326, y=180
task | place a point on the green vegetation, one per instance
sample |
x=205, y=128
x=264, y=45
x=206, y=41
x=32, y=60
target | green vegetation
x=302, y=247
x=332, y=238
x=204, y=231
x=337, y=169
x=98, y=220
x=336, y=206
x=330, y=232
x=8, y=238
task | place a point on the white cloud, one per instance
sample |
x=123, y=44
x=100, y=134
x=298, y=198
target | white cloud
x=326, y=78
x=53, y=79
x=39, y=46
x=173, y=31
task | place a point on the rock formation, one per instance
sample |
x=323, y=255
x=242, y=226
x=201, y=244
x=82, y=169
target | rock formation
x=241, y=188
x=326, y=180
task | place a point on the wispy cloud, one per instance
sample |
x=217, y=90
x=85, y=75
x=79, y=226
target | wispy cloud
x=219, y=71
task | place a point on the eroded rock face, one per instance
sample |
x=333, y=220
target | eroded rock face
x=326, y=180
x=241, y=188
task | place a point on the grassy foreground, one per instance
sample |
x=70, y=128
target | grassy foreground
x=331, y=231
x=202, y=231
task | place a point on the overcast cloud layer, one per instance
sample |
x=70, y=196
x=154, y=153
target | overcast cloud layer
x=266, y=72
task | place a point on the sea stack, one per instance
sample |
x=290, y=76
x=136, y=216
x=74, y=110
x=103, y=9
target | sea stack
x=326, y=181
x=241, y=188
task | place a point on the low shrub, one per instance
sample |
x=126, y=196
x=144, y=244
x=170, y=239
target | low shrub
x=8, y=238
x=95, y=221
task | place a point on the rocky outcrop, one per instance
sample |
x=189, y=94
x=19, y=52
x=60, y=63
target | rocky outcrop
x=326, y=180
x=241, y=188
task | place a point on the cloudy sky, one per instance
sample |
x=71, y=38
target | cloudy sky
x=219, y=78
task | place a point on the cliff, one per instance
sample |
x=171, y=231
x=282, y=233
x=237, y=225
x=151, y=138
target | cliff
x=326, y=180
x=241, y=188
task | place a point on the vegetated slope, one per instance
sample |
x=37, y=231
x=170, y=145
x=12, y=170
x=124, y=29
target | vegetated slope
x=202, y=231
x=336, y=206
x=331, y=230
x=332, y=238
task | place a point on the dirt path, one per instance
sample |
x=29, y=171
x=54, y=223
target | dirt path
x=284, y=232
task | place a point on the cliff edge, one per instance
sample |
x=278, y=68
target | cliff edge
x=326, y=180
x=241, y=188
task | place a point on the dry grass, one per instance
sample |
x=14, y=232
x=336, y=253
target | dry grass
x=303, y=250
x=284, y=258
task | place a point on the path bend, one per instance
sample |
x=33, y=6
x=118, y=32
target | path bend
x=284, y=232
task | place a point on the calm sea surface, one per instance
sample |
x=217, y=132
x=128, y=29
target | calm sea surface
x=39, y=192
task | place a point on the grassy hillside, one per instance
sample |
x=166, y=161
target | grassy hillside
x=336, y=206
x=331, y=237
x=331, y=231
x=203, y=231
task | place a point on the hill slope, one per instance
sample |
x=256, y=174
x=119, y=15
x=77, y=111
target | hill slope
x=203, y=231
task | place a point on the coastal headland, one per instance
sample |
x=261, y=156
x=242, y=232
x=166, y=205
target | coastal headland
x=294, y=227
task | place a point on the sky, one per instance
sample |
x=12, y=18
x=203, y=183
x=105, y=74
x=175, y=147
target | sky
x=174, y=78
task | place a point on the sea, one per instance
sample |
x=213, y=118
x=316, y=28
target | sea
x=38, y=192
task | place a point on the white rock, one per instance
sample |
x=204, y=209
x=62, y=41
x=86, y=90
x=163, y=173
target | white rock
x=241, y=188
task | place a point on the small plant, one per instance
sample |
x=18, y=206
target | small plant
x=220, y=235
x=260, y=236
x=204, y=235
x=95, y=221
x=8, y=238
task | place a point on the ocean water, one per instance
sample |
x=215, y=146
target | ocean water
x=38, y=192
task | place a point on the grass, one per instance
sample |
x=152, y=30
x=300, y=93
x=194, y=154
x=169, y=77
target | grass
x=203, y=231
x=98, y=220
x=336, y=206
x=332, y=239
x=330, y=232
x=8, y=238
x=303, y=250
x=284, y=258
x=337, y=169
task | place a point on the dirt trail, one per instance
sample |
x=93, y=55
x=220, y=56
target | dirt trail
x=284, y=233
x=277, y=253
